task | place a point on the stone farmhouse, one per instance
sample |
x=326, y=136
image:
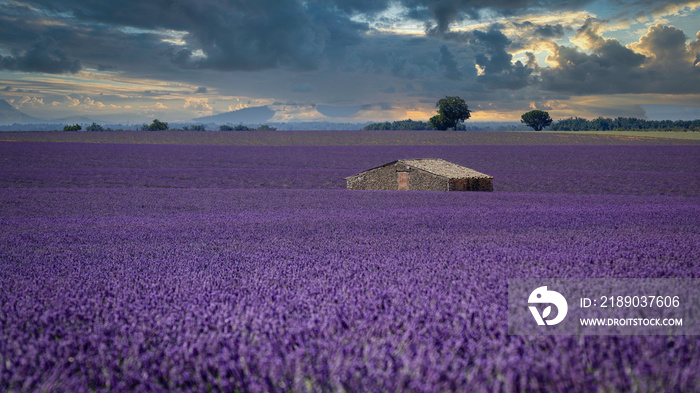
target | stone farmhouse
x=432, y=174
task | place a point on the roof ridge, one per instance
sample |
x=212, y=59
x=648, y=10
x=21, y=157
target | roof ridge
x=444, y=168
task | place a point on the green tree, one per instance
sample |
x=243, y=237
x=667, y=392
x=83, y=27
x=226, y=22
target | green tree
x=158, y=125
x=225, y=127
x=265, y=127
x=94, y=127
x=536, y=119
x=451, y=111
x=439, y=122
x=76, y=127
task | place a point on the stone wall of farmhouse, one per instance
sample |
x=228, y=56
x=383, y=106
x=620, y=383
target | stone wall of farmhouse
x=386, y=178
x=382, y=178
x=471, y=185
x=421, y=180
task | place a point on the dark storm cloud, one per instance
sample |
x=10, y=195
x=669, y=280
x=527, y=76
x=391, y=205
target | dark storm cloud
x=530, y=33
x=665, y=45
x=444, y=12
x=609, y=51
x=337, y=111
x=252, y=40
x=581, y=73
x=302, y=88
x=694, y=49
x=100, y=46
x=671, y=63
x=238, y=34
x=420, y=58
x=527, y=35
x=659, y=63
x=337, y=29
x=258, y=39
x=449, y=64
x=357, y=6
x=42, y=56
x=497, y=64
x=415, y=58
x=547, y=31
x=408, y=66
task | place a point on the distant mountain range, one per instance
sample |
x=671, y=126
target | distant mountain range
x=255, y=115
x=252, y=115
x=10, y=115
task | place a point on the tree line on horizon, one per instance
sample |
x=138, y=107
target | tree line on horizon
x=453, y=111
x=158, y=125
x=569, y=124
x=624, y=124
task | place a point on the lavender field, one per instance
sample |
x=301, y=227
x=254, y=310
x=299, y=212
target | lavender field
x=251, y=268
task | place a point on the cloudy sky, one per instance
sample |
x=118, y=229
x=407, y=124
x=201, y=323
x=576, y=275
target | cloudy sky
x=349, y=60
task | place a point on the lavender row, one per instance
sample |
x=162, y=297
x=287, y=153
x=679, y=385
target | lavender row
x=346, y=138
x=318, y=290
x=648, y=170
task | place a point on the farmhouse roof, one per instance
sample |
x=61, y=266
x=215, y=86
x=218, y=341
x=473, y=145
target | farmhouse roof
x=440, y=167
x=444, y=168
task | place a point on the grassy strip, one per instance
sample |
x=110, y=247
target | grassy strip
x=688, y=136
